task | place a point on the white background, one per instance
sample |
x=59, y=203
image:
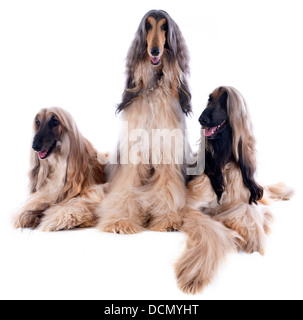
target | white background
x=72, y=54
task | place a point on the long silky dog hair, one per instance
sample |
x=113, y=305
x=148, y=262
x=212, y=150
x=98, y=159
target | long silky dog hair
x=156, y=96
x=221, y=213
x=65, y=175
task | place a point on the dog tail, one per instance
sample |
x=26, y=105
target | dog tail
x=277, y=192
x=207, y=244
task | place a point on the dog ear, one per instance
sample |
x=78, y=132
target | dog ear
x=244, y=142
x=176, y=51
x=176, y=48
x=77, y=153
x=185, y=98
x=135, y=55
x=171, y=44
x=247, y=165
x=78, y=161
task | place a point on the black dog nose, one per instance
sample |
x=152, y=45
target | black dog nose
x=204, y=120
x=37, y=146
x=155, y=51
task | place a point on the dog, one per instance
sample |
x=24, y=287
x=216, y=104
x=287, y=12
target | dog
x=151, y=193
x=223, y=211
x=67, y=177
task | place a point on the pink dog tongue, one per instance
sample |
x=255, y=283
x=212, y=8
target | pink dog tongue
x=155, y=60
x=42, y=154
x=209, y=131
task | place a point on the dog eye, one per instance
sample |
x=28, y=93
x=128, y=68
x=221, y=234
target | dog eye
x=210, y=99
x=148, y=26
x=38, y=123
x=164, y=27
x=54, y=123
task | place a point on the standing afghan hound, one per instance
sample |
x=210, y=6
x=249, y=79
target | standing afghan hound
x=151, y=192
x=66, y=178
x=225, y=197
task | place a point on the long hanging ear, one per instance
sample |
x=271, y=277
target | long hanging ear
x=243, y=141
x=77, y=165
x=176, y=46
x=74, y=148
x=177, y=51
x=135, y=54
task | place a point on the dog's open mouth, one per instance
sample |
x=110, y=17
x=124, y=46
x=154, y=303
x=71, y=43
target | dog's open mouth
x=211, y=131
x=44, y=154
x=155, y=61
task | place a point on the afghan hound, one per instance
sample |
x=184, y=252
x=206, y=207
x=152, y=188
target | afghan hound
x=66, y=177
x=225, y=198
x=151, y=192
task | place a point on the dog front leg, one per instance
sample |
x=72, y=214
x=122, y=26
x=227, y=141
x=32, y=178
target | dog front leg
x=76, y=213
x=166, y=196
x=31, y=213
x=121, y=212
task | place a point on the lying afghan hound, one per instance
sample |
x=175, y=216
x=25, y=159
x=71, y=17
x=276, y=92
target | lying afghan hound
x=151, y=193
x=66, y=177
x=222, y=211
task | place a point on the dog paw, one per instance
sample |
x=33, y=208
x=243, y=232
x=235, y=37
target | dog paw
x=122, y=227
x=65, y=217
x=52, y=225
x=165, y=226
x=57, y=222
x=28, y=219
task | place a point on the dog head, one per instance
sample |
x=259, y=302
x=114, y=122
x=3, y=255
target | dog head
x=158, y=46
x=214, y=119
x=56, y=135
x=48, y=130
x=227, y=110
x=159, y=35
x=156, y=26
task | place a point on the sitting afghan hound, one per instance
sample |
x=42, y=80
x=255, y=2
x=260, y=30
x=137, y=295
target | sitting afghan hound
x=151, y=193
x=66, y=177
x=225, y=198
